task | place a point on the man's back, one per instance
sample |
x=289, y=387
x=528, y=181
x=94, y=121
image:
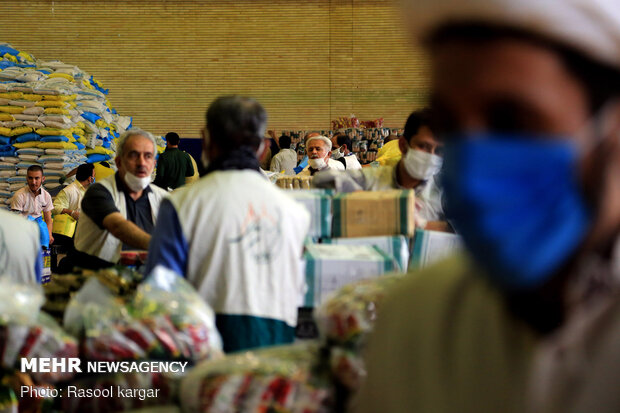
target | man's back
x=460, y=350
x=173, y=167
x=243, y=239
x=285, y=160
x=20, y=249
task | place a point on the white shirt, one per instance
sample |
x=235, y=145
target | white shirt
x=285, y=160
x=352, y=162
x=19, y=247
x=34, y=205
x=331, y=165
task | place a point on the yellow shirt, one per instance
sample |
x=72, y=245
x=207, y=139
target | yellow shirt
x=69, y=198
x=445, y=342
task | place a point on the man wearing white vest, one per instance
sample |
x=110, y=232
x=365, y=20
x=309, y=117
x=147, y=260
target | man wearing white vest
x=118, y=213
x=235, y=236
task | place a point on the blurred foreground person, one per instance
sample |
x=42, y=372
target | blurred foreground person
x=234, y=235
x=528, y=94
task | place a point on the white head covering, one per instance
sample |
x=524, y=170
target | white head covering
x=589, y=26
x=322, y=138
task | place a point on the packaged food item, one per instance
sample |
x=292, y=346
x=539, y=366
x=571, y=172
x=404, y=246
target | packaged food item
x=396, y=246
x=330, y=267
x=318, y=203
x=373, y=213
x=277, y=379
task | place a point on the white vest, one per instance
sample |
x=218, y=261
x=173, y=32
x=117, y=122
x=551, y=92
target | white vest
x=92, y=240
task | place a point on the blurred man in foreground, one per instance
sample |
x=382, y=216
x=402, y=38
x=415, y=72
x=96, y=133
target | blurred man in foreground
x=528, y=92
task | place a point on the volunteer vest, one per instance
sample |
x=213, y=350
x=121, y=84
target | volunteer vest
x=92, y=240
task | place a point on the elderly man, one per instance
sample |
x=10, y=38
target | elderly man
x=529, y=92
x=416, y=170
x=341, y=152
x=35, y=202
x=118, y=213
x=236, y=237
x=319, y=150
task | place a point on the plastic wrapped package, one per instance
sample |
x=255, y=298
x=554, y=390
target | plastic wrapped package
x=318, y=203
x=345, y=321
x=396, y=246
x=25, y=332
x=283, y=379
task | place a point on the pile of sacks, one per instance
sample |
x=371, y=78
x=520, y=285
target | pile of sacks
x=54, y=115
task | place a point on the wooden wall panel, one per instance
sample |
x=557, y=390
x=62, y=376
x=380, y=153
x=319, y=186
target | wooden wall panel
x=308, y=62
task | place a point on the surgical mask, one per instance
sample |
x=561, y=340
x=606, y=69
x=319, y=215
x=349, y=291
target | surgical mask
x=337, y=154
x=317, y=163
x=421, y=165
x=135, y=183
x=517, y=202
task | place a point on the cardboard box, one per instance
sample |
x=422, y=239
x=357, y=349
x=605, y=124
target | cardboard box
x=329, y=267
x=374, y=213
x=319, y=204
x=396, y=246
x=432, y=246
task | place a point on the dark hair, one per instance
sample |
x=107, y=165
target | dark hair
x=417, y=119
x=284, y=142
x=343, y=139
x=235, y=121
x=601, y=80
x=84, y=171
x=172, y=138
x=35, y=168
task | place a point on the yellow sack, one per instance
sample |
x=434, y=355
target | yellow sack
x=26, y=56
x=32, y=97
x=51, y=104
x=83, y=141
x=63, y=75
x=68, y=97
x=78, y=131
x=55, y=145
x=5, y=131
x=64, y=224
x=10, y=57
x=390, y=154
x=56, y=111
x=21, y=130
x=11, y=95
x=100, y=150
x=102, y=172
x=54, y=132
x=5, y=117
x=101, y=123
x=31, y=144
x=11, y=109
x=80, y=125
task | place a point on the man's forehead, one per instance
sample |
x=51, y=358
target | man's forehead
x=137, y=142
x=317, y=142
x=34, y=174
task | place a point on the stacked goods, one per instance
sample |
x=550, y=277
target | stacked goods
x=318, y=203
x=330, y=267
x=284, y=379
x=121, y=281
x=345, y=322
x=293, y=182
x=377, y=213
x=166, y=320
x=353, y=122
x=396, y=246
x=432, y=246
x=53, y=115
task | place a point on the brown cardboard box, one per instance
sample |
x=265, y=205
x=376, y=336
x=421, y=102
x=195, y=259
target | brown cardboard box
x=374, y=213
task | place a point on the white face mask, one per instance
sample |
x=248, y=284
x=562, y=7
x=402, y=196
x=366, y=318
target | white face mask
x=135, y=183
x=317, y=163
x=421, y=165
x=337, y=154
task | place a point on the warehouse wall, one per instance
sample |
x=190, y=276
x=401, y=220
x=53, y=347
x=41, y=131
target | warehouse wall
x=308, y=62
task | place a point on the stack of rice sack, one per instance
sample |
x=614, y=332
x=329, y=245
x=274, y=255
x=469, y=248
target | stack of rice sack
x=53, y=115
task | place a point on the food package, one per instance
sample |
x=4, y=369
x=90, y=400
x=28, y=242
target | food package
x=330, y=267
x=293, y=182
x=396, y=246
x=345, y=321
x=432, y=246
x=373, y=213
x=318, y=203
x=25, y=332
x=166, y=320
x=121, y=281
x=283, y=379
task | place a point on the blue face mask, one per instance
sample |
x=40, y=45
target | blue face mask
x=517, y=203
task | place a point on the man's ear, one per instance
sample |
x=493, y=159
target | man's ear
x=343, y=149
x=403, y=145
x=42, y=178
x=117, y=161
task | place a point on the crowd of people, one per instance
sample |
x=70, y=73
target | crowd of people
x=519, y=155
